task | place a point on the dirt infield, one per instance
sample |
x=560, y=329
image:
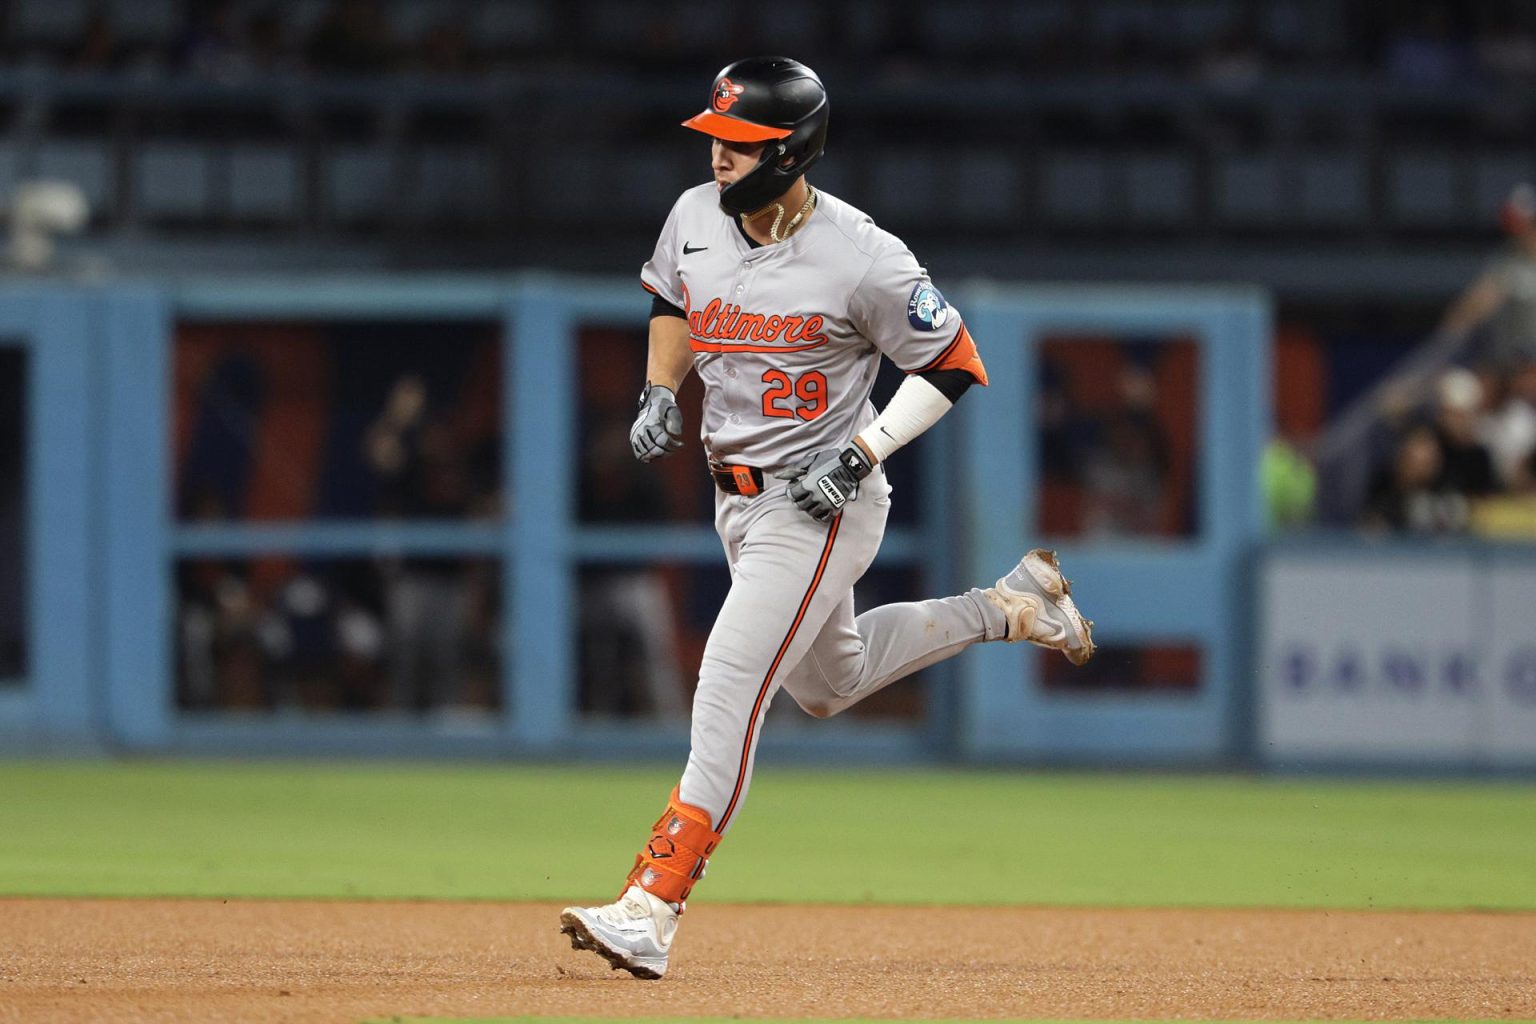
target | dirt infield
x=121, y=960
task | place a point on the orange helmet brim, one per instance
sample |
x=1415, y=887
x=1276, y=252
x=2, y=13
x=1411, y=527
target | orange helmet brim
x=733, y=130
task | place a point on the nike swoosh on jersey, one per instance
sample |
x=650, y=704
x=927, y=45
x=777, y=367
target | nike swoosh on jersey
x=689, y=252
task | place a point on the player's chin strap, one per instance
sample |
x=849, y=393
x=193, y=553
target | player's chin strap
x=680, y=845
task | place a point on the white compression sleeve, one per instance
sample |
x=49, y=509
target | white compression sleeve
x=916, y=406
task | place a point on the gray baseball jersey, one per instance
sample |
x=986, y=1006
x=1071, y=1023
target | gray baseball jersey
x=787, y=338
x=1512, y=334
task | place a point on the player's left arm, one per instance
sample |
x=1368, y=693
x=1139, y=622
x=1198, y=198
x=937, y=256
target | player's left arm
x=920, y=402
x=907, y=318
x=830, y=479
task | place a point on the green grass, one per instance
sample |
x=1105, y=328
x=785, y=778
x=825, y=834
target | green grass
x=525, y=833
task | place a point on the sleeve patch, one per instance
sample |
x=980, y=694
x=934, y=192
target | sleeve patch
x=926, y=308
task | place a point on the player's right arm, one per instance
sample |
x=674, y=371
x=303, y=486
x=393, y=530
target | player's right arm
x=658, y=429
x=670, y=358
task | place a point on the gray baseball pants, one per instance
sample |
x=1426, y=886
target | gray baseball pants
x=788, y=622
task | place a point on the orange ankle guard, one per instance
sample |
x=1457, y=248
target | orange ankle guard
x=681, y=842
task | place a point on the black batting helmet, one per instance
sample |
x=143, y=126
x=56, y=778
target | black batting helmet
x=773, y=100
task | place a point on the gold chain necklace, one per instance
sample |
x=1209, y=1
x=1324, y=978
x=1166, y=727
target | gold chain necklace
x=778, y=218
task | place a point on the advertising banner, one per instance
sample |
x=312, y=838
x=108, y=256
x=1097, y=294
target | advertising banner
x=1390, y=658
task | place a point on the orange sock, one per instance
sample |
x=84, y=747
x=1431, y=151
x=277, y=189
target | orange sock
x=680, y=845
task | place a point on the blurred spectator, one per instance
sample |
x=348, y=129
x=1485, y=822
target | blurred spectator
x=352, y=37
x=216, y=472
x=445, y=49
x=304, y=640
x=1506, y=48
x=1504, y=296
x=1124, y=477
x=268, y=47
x=217, y=45
x=629, y=663
x=1409, y=492
x=40, y=210
x=1523, y=479
x=1502, y=299
x=1468, y=468
x=421, y=465
x=423, y=472
x=1424, y=51
x=1065, y=432
x=1426, y=43
x=224, y=661
x=1235, y=62
x=1290, y=485
x=1509, y=430
x=98, y=48
x=211, y=46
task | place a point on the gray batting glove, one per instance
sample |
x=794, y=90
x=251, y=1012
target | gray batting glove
x=828, y=480
x=658, y=430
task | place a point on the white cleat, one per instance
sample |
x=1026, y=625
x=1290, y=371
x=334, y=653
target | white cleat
x=1037, y=599
x=634, y=934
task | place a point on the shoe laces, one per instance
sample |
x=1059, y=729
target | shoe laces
x=627, y=909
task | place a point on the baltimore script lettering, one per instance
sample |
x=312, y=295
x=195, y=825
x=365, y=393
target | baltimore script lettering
x=728, y=323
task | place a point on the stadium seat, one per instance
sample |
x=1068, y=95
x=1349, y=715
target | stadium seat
x=1423, y=190
x=1333, y=189
x=1160, y=189
x=1024, y=24
x=962, y=27
x=358, y=183
x=86, y=163
x=1493, y=175
x=453, y=183
x=9, y=170
x=566, y=189
x=50, y=21
x=699, y=24
x=902, y=184
x=171, y=181
x=985, y=187
x=264, y=183
x=1075, y=188
x=410, y=20
x=1249, y=191
x=145, y=21
x=838, y=174
x=613, y=25
x=797, y=21
x=519, y=25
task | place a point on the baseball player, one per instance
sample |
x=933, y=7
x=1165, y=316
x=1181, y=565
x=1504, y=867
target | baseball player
x=783, y=299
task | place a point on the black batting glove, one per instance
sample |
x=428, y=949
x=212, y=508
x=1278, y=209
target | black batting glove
x=658, y=430
x=828, y=480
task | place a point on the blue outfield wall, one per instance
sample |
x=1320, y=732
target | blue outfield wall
x=103, y=539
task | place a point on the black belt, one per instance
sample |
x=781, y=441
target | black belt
x=746, y=481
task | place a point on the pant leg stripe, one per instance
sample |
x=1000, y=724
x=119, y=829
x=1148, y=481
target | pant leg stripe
x=762, y=692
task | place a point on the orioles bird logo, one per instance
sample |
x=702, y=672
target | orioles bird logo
x=929, y=310
x=726, y=94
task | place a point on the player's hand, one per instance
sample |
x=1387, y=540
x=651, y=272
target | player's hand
x=828, y=480
x=658, y=430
